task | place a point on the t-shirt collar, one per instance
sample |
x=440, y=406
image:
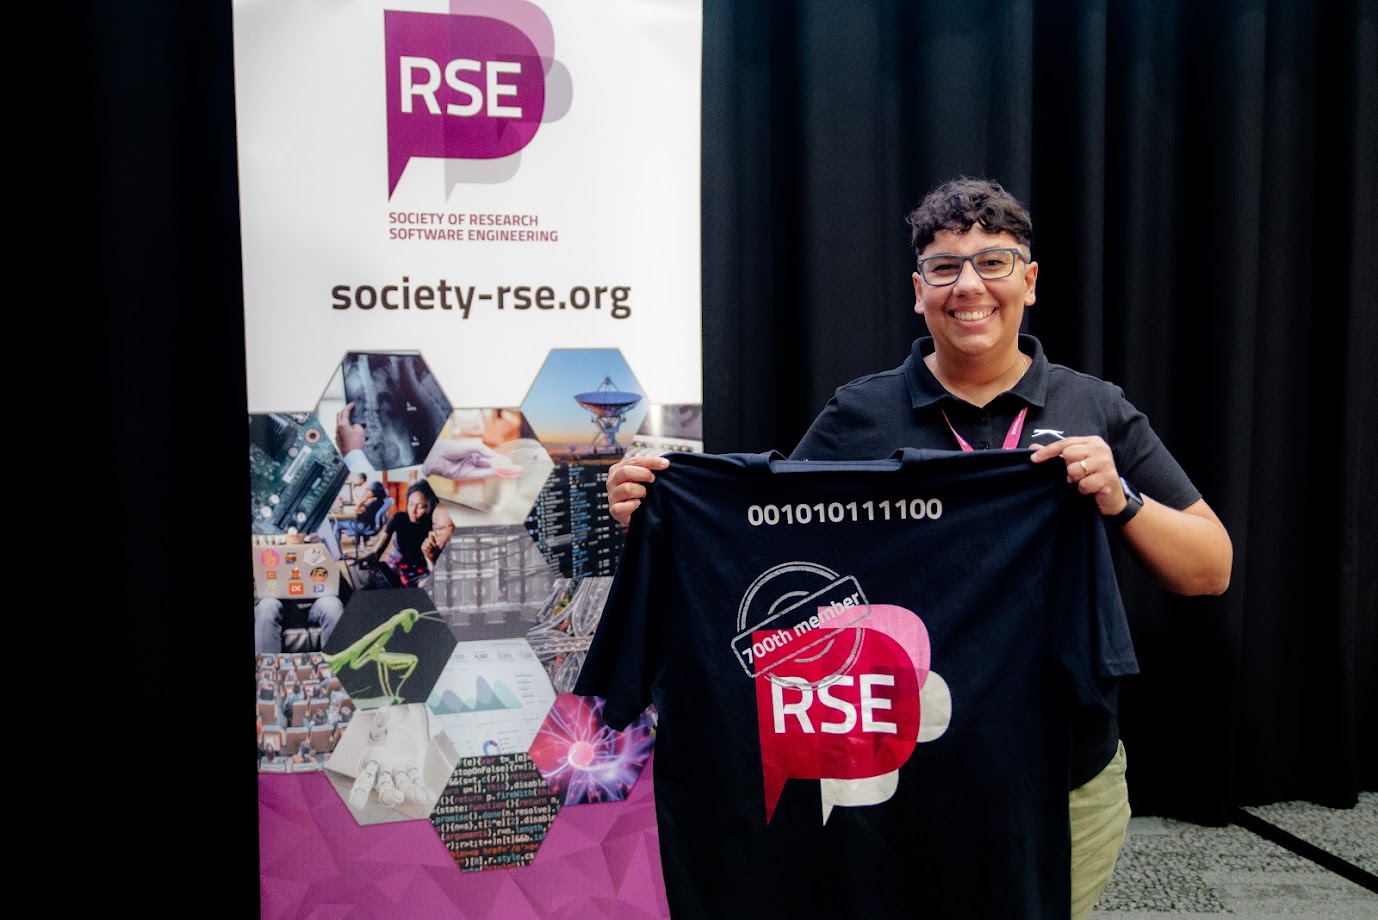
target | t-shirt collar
x=925, y=390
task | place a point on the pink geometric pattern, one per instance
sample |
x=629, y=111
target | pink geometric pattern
x=317, y=863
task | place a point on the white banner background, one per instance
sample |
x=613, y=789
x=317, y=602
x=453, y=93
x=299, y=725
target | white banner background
x=616, y=176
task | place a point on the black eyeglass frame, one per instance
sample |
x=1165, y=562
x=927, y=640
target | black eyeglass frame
x=1018, y=254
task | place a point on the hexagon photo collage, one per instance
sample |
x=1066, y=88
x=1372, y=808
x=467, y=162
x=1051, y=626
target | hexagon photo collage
x=427, y=578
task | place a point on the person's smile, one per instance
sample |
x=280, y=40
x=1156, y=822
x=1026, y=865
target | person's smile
x=972, y=315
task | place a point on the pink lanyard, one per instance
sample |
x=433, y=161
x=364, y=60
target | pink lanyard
x=1011, y=436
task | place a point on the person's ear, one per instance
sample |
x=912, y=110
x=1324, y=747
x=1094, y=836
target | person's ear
x=918, y=294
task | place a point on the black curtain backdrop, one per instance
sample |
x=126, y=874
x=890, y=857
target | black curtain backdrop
x=1202, y=182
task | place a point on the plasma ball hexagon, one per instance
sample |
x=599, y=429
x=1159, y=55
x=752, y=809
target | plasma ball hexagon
x=583, y=759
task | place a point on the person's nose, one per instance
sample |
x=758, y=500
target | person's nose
x=967, y=279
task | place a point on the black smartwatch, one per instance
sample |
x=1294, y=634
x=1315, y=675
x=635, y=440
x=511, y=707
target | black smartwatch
x=1133, y=501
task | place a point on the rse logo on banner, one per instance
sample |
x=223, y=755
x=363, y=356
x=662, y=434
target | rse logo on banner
x=460, y=87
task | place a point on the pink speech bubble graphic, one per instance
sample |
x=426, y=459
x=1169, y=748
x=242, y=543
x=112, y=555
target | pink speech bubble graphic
x=458, y=87
x=849, y=712
x=935, y=709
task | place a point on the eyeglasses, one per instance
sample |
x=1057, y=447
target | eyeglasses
x=990, y=265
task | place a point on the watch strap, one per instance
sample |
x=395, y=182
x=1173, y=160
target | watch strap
x=1132, y=503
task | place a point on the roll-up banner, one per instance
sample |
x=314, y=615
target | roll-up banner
x=470, y=241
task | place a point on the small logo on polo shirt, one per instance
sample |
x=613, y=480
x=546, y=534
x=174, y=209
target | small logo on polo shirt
x=1049, y=431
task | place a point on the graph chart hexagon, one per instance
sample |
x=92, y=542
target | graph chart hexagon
x=491, y=697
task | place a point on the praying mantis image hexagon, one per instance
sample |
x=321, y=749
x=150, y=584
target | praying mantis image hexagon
x=371, y=648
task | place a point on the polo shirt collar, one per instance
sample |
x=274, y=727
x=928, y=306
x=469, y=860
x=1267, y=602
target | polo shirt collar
x=925, y=390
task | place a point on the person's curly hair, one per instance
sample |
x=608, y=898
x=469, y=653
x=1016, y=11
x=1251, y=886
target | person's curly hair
x=959, y=204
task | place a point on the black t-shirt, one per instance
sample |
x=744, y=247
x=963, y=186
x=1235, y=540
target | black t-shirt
x=864, y=676
x=879, y=414
x=410, y=535
x=368, y=517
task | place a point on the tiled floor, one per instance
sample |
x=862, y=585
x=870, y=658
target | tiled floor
x=1173, y=869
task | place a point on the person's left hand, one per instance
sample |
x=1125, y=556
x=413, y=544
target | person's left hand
x=1090, y=467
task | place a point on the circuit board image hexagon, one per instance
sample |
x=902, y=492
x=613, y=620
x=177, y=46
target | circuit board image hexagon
x=295, y=472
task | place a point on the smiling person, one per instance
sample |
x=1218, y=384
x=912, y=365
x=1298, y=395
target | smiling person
x=976, y=382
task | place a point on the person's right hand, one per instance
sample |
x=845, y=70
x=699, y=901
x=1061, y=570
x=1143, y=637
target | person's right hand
x=349, y=434
x=627, y=482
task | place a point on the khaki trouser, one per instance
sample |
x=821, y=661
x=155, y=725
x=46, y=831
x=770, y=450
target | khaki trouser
x=1100, y=817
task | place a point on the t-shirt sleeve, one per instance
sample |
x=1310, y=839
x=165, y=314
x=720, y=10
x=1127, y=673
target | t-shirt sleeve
x=1142, y=458
x=623, y=659
x=1091, y=633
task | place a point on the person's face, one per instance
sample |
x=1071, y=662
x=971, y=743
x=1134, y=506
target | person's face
x=972, y=316
x=417, y=506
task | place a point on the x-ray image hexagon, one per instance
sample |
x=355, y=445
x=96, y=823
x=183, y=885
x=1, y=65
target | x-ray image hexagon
x=487, y=466
x=295, y=472
x=391, y=765
x=585, y=405
x=495, y=812
x=492, y=697
x=388, y=405
x=389, y=647
x=584, y=760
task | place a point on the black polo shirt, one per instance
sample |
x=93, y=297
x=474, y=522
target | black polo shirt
x=874, y=416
